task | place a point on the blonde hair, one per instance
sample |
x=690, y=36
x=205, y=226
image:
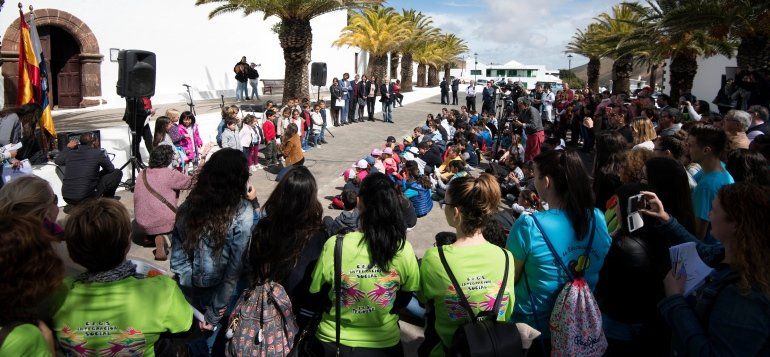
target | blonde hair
x=26, y=196
x=476, y=198
x=643, y=130
x=172, y=114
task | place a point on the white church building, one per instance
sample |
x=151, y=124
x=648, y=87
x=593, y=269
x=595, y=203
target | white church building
x=81, y=40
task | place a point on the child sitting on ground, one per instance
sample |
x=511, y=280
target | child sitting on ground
x=388, y=162
x=347, y=219
x=528, y=203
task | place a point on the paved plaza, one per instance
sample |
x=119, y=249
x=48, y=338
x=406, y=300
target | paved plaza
x=349, y=144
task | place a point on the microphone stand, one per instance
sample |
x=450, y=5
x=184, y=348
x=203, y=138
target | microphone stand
x=190, y=104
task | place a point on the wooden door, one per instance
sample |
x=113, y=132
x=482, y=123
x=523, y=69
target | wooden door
x=69, y=84
x=45, y=41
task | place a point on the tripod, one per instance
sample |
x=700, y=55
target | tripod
x=132, y=119
x=190, y=104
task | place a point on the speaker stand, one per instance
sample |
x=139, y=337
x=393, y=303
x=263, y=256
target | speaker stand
x=136, y=165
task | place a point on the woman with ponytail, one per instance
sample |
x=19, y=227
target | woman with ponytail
x=562, y=182
x=379, y=274
x=478, y=266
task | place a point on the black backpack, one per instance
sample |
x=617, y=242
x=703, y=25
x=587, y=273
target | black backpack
x=483, y=336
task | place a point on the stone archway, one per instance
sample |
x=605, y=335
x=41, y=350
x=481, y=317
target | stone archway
x=89, y=57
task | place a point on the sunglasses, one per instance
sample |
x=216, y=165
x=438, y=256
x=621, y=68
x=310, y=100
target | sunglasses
x=443, y=204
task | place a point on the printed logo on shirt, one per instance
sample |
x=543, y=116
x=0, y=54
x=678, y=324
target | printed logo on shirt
x=470, y=288
x=128, y=342
x=380, y=297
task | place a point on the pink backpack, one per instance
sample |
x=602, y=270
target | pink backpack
x=576, y=322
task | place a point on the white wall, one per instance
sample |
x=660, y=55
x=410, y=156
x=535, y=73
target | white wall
x=708, y=79
x=190, y=48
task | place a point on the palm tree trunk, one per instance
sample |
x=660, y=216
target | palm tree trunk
x=379, y=66
x=296, y=38
x=421, y=69
x=406, y=72
x=394, y=65
x=593, y=69
x=432, y=76
x=447, y=71
x=683, y=68
x=754, y=51
x=653, y=76
x=621, y=74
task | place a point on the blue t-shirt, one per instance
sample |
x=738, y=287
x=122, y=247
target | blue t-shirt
x=545, y=277
x=706, y=190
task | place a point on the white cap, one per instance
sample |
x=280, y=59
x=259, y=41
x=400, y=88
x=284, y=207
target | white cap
x=362, y=164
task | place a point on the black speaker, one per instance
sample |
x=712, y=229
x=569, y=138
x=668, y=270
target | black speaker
x=318, y=74
x=136, y=74
x=63, y=138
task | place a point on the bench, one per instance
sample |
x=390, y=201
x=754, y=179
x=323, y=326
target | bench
x=272, y=86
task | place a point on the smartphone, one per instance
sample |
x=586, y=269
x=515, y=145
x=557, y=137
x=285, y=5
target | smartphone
x=636, y=203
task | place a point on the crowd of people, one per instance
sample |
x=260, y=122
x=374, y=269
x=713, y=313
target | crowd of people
x=547, y=189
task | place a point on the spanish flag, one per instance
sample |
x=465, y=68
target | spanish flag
x=33, y=75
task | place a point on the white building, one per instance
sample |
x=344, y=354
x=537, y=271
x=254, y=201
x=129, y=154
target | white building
x=81, y=39
x=529, y=75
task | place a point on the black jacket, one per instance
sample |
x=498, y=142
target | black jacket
x=456, y=85
x=252, y=73
x=364, y=88
x=386, y=93
x=444, y=86
x=81, y=172
x=432, y=157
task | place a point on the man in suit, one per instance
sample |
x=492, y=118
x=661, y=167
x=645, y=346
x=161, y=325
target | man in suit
x=386, y=98
x=444, y=91
x=347, y=91
x=455, y=89
x=353, y=99
x=89, y=173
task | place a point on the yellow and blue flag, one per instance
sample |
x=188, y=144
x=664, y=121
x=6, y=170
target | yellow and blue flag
x=33, y=74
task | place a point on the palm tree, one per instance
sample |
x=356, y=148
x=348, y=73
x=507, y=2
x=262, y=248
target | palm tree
x=451, y=47
x=653, y=41
x=747, y=21
x=585, y=43
x=394, y=57
x=425, y=56
x=294, y=31
x=421, y=32
x=612, y=29
x=378, y=31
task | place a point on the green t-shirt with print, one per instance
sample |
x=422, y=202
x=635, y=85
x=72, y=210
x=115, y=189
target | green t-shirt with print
x=479, y=270
x=367, y=293
x=123, y=317
x=25, y=340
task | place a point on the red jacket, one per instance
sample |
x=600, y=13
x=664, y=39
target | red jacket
x=268, y=128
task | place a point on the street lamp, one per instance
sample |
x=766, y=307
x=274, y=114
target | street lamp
x=569, y=66
x=475, y=70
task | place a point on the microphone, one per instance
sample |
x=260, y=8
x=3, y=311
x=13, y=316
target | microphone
x=186, y=85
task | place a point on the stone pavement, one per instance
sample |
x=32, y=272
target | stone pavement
x=349, y=144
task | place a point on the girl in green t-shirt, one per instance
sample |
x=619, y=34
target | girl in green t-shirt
x=379, y=274
x=29, y=271
x=478, y=265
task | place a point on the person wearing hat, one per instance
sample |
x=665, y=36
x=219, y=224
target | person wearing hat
x=411, y=154
x=406, y=143
x=390, y=164
x=376, y=153
x=530, y=120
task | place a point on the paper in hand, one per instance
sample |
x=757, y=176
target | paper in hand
x=685, y=258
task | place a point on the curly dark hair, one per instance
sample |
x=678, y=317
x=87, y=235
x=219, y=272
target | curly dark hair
x=293, y=215
x=161, y=156
x=215, y=198
x=748, y=166
x=29, y=268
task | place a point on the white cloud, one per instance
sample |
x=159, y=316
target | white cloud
x=531, y=32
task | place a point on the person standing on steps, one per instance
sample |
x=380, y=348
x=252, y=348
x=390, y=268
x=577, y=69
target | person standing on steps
x=455, y=89
x=253, y=76
x=470, y=97
x=347, y=91
x=386, y=98
x=444, y=85
x=241, y=70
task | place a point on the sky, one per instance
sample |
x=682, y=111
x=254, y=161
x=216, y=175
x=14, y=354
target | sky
x=533, y=32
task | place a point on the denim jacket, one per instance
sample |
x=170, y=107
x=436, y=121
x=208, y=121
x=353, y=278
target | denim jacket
x=720, y=321
x=206, y=269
